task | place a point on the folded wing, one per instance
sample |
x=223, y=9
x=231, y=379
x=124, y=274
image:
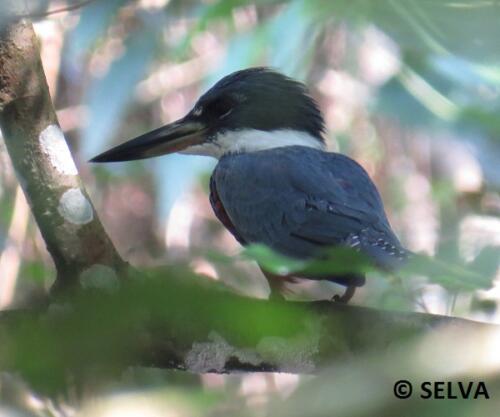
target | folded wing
x=299, y=200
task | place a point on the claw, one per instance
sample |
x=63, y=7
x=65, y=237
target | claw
x=344, y=298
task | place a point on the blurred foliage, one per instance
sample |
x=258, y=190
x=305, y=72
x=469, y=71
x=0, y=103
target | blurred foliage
x=477, y=275
x=410, y=88
x=92, y=335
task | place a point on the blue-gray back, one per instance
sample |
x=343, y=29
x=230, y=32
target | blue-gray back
x=298, y=200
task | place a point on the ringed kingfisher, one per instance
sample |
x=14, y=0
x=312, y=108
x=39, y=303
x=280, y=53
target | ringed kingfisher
x=275, y=183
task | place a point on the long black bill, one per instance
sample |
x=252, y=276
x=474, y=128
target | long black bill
x=167, y=139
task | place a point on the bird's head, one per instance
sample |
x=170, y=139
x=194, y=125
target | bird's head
x=248, y=110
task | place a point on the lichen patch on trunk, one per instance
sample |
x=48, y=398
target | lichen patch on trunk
x=55, y=147
x=213, y=355
x=100, y=277
x=75, y=208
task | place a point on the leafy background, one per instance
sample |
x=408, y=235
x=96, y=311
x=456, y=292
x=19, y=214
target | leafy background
x=410, y=89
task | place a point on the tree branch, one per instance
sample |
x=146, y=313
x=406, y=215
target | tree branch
x=179, y=323
x=43, y=163
x=326, y=332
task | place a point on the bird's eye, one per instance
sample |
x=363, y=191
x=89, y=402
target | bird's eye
x=222, y=107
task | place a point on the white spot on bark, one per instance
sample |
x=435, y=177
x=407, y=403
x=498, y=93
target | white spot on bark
x=294, y=354
x=75, y=208
x=99, y=276
x=212, y=356
x=55, y=147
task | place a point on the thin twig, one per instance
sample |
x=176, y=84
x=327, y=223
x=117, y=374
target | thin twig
x=68, y=8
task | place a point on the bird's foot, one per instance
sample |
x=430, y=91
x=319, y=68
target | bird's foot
x=277, y=286
x=276, y=296
x=344, y=298
x=281, y=292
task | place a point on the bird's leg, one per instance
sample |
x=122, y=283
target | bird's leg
x=276, y=285
x=344, y=298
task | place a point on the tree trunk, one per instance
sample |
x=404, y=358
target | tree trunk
x=44, y=166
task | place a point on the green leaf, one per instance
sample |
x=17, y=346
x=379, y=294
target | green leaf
x=446, y=274
x=340, y=261
x=272, y=261
x=468, y=28
x=487, y=262
x=334, y=261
